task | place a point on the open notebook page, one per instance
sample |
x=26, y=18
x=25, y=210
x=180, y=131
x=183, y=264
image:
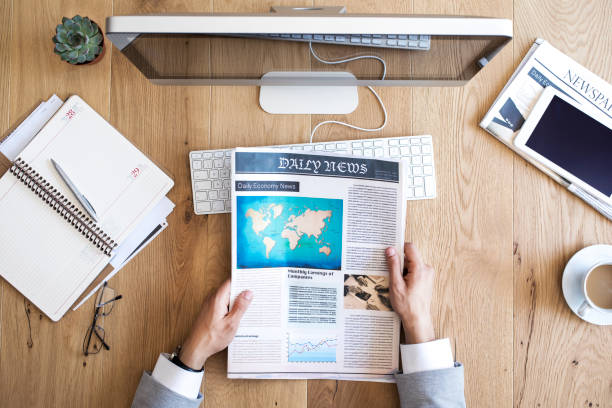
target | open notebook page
x=120, y=182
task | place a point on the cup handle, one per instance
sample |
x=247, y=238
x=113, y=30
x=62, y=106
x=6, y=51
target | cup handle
x=583, y=309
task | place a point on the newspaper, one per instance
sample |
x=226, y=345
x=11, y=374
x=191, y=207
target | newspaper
x=309, y=231
x=545, y=66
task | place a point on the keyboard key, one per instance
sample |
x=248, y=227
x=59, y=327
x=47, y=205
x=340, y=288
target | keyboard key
x=217, y=184
x=355, y=40
x=196, y=164
x=410, y=192
x=409, y=181
x=413, y=43
x=413, y=37
x=358, y=152
x=213, y=195
x=224, y=194
x=419, y=181
x=367, y=144
x=196, y=155
x=226, y=183
x=428, y=170
x=423, y=44
x=200, y=195
x=341, y=145
x=330, y=146
x=408, y=170
x=427, y=160
x=392, y=42
x=368, y=153
x=319, y=147
x=417, y=171
x=391, y=36
x=415, y=150
x=218, y=205
x=285, y=35
x=402, y=43
x=219, y=154
x=405, y=150
x=228, y=205
x=376, y=41
x=296, y=36
x=203, y=207
x=366, y=40
x=318, y=37
x=200, y=175
x=207, y=164
x=393, y=142
x=308, y=148
x=378, y=143
x=402, y=36
x=404, y=141
x=228, y=163
x=426, y=149
x=417, y=160
x=214, y=174
x=340, y=38
x=307, y=36
x=424, y=37
x=419, y=192
x=414, y=140
x=426, y=140
x=224, y=173
x=356, y=145
x=218, y=163
x=203, y=185
x=377, y=35
x=207, y=155
x=378, y=152
x=329, y=38
x=228, y=153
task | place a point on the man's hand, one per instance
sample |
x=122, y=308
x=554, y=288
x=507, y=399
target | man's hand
x=215, y=326
x=411, y=293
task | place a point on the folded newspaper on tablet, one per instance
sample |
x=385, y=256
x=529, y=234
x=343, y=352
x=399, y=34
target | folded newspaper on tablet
x=309, y=233
x=545, y=66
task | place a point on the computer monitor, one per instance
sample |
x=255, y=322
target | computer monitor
x=239, y=49
x=308, y=60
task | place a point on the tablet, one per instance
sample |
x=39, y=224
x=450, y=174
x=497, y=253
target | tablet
x=573, y=140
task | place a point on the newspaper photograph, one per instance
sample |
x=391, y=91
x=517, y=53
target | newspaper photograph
x=309, y=234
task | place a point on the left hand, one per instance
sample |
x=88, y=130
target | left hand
x=215, y=326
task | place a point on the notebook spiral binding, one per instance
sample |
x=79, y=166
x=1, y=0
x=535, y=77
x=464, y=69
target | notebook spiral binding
x=56, y=200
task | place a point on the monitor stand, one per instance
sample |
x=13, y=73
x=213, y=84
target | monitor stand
x=308, y=99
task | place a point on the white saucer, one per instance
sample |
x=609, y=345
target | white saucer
x=573, y=274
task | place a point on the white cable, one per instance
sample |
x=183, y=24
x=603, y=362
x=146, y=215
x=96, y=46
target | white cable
x=382, y=105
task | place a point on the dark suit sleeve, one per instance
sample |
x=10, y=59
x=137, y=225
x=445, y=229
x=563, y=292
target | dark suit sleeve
x=152, y=394
x=435, y=388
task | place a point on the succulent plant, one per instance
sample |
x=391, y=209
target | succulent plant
x=78, y=40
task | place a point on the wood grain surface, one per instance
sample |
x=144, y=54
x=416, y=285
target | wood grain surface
x=499, y=232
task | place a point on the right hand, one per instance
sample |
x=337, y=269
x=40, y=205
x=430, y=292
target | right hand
x=411, y=293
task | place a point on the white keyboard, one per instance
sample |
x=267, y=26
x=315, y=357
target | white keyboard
x=402, y=41
x=211, y=169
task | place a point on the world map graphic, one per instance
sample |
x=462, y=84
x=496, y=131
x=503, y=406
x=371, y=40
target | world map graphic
x=301, y=232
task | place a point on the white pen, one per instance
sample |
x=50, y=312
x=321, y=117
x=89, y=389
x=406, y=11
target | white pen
x=84, y=202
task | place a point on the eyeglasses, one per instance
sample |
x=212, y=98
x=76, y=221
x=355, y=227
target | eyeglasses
x=93, y=341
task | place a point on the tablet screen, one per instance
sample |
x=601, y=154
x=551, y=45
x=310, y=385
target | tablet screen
x=575, y=142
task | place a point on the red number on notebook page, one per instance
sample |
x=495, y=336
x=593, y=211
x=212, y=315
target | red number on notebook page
x=70, y=114
x=135, y=173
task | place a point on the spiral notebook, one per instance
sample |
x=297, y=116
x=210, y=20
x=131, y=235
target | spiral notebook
x=50, y=250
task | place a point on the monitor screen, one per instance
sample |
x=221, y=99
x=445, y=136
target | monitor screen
x=243, y=58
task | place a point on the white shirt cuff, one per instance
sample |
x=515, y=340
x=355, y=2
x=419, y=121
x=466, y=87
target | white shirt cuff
x=433, y=355
x=173, y=377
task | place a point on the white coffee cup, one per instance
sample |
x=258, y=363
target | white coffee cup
x=602, y=269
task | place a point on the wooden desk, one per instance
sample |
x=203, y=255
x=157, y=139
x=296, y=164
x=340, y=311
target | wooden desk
x=499, y=232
